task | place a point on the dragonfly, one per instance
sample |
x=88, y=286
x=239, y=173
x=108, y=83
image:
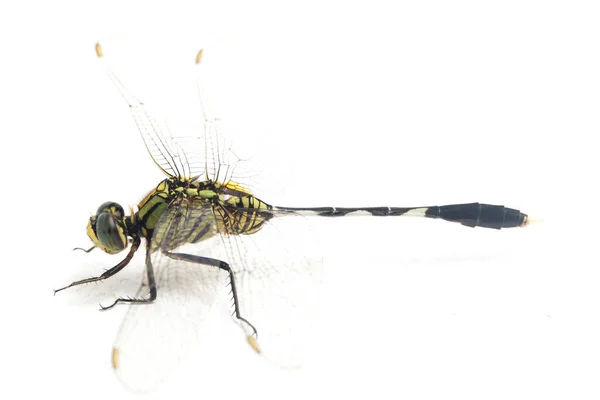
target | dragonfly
x=198, y=224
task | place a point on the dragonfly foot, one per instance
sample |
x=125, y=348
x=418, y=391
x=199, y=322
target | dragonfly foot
x=128, y=300
x=102, y=308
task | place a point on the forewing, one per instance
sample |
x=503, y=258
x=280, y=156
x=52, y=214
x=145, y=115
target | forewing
x=277, y=269
x=204, y=154
x=155, y=337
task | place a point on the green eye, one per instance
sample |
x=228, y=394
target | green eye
x=110, y=233
x=112, y=208
x=107, y=229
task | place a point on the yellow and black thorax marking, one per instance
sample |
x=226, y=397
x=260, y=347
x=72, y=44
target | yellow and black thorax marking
x=197, y=211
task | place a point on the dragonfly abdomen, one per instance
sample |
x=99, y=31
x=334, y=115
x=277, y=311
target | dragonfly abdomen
x=471, y=214
x=244, y=215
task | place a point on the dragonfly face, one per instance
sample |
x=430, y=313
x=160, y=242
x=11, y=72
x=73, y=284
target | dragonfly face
x=108, y=229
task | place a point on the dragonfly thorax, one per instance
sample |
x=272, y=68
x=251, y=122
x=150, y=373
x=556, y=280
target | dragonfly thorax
x=227, y=208
x=170, y=192
x=108, y=228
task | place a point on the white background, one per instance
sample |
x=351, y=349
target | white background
x=401, y=104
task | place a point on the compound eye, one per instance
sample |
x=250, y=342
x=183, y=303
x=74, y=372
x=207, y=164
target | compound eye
x=109, y=233
x=113, y=208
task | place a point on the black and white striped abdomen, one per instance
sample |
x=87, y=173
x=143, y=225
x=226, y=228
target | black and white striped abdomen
x=470, y=214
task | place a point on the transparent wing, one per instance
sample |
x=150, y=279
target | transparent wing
x=278, y=272
x=277, y=269
x=155, y=337
x=202, y=154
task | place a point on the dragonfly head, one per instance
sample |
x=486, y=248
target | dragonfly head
x=107, y=228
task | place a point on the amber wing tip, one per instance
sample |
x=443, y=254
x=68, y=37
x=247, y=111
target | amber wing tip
x=115, y=358
x=199, y=56
x=99, y=52
x=253, y=343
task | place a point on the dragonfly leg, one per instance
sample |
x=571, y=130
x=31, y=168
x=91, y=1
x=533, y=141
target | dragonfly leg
x=151, y=283
x=110, y=272
x=224, y=266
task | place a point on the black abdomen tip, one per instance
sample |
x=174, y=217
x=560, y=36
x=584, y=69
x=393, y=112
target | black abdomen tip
x=476, y=214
